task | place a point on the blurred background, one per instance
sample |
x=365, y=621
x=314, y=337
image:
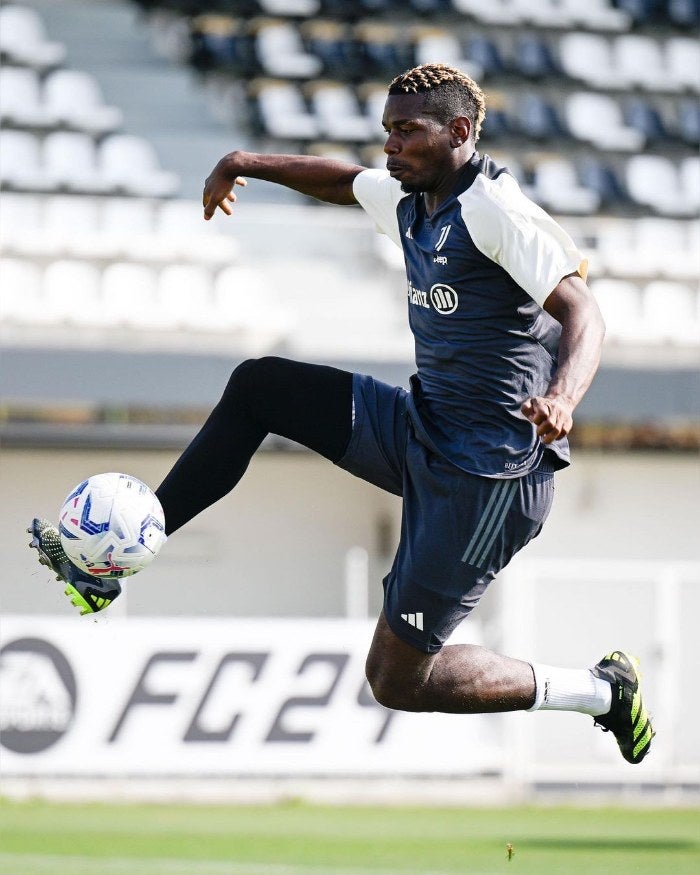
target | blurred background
x=233, y=667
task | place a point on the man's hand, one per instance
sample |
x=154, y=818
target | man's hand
x=218, y=189
x=552, y=416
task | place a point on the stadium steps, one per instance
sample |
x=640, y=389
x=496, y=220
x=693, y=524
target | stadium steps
x=162, y=102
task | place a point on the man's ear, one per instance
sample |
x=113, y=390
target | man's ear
x=460, y=130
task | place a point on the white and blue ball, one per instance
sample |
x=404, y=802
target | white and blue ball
x=112, y=525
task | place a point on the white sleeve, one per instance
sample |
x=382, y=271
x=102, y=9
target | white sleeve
x=522, y=238
x=378, y=195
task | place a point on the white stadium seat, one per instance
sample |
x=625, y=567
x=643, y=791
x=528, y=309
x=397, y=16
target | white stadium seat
x=639, y=61
x=130, y=165
x=129, y=298
x=303, y=8
x=71, y=293
x=489, y=11
x=671, y=309
x=23, y=38
x=436, y=44
x=556, y=186
x=185, y=292
x=282, y=53
x=245, y=304
x=21, y=290
x=283, y=111
x=689, y=175
x=22, y=166
x=180, y=224
x=683, y=63
x=654, y=181
x=71, y=227
x=596, y=14
x=620, y=303
x=21, y=102
x=338, y=113
x=588, y=57
x=70, y=161
x=75, y=99
x=597, y=118
x=652, y=247
x=20, y=223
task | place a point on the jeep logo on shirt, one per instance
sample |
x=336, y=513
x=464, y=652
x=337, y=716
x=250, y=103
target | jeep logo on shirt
x=443, y=298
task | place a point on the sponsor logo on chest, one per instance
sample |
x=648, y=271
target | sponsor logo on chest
x=441, y=298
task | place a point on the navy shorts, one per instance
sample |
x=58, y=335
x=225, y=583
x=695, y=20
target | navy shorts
x=458, y=530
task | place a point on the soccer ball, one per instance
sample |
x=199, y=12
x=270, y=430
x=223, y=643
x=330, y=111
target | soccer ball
x=112, y=525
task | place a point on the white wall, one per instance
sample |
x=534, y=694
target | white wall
x=277, y=545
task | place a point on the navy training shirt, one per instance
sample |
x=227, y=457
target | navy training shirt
x=479, y=270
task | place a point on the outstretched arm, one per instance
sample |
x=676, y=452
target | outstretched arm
x=323, y=178
x=573, y=305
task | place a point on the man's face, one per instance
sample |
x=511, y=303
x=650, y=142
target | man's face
x=418, y=147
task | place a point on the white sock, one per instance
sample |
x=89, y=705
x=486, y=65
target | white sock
x=570, y=689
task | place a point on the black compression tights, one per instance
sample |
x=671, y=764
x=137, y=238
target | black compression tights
x=310, y=404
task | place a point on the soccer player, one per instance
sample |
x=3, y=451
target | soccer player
x=507, y=340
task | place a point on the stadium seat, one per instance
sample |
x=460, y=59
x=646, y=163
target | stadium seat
x=373, y=96
x=290, y=8
x=688, y=122
x=185, y=292
x=244, y=303
x=653, y=181
x=556, y=186
x=281, y=51
x=70, y=160
x=597, y=118
x=537, y=118
x=23, y=39
x=127, y=226
x=20, y=223
x=75, y=99
x=337, y=48
x=689, y=175
x=485, y=52
x=651, y=247
x=645, y=118
x=70, y=227
x=439, y=45
x=489, y=11
x=282, y=112
x=540, y=13
x=671, y=309
x=534, y=58
x=338, y=113
x=643, y=11
x=21, y=103
x=71, y=293
x=129, y=165
x=498, y=122
x=596, y=14
x=219, y=42
x=683, y=63
x=386, y=49
x=639, y=61
x=179, y=224
x=22, y=167
x=588, y=57
x=601, y=177
x=21, y=290
x=684, y=13
x=128, y=295
x=620, y=303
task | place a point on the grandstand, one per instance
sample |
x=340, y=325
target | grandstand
x=122, y=315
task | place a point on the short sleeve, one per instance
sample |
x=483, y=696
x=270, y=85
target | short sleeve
x=522, y=238
x=378, y=195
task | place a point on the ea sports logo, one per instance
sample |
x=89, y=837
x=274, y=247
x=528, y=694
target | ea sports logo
x=38, y=691
x=444, y=299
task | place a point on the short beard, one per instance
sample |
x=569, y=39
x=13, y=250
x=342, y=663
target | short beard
x=407, y=188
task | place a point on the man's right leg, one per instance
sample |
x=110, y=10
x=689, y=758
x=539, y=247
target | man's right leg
x=309, y=404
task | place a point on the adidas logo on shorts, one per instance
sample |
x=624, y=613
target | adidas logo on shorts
x=415, y=620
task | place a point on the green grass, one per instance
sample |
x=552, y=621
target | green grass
x=298, y=839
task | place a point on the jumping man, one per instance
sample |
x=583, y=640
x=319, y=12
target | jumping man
x=507, y=340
